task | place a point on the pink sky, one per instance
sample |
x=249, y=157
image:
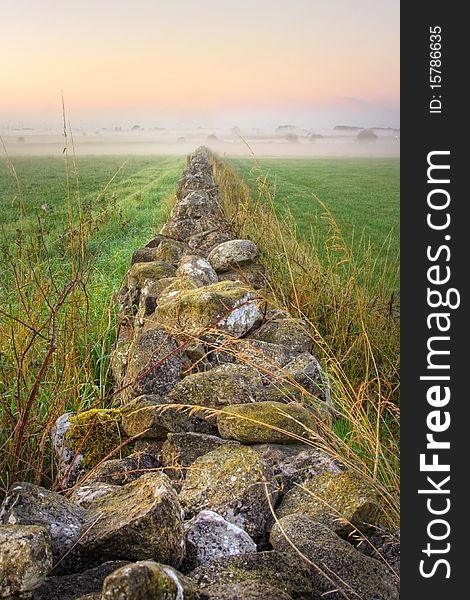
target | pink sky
x=199, y=57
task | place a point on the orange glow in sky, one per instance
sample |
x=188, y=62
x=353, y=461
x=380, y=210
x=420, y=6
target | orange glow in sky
x=205, y=55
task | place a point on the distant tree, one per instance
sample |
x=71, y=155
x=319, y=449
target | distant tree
x=366, y=136
x=313, y=137
x=212, y=138
x=21, y=140
x=283, y=129
x=136, y=128
x=293, y=138
x=180, y=140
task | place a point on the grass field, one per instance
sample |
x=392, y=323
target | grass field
x=361, y=193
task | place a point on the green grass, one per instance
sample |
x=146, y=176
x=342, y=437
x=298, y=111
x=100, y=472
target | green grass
x=361, y=193
x=68, y=233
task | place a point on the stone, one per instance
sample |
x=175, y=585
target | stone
x=29, y=504
x=119, y=357
x=337, y=568
x=246, y=590
x=171, y=251
x=124, y=470
x=272, y=422
x=197, y=269
x=87, y=493
x=293, y=464
x=295, y=334
x=180, y=450
x=69, y=460
x=220, y=386
x=341, y=501
x=97, y=434
x=209, y=536
x=154, y=270
x=139, y=418
x=269, y=359
x=254, y=276
x=224, y=305
x=85, y=585
x=153, y=417
x=142, y=520
x=149, y=295
x=277, y=569
x=148, y=580
x=233, y=254
x=25, y=558
x=178, y=285
x=305, y=370
x=143, y=255
x=154, y=364
x=151, y=447
x=233, y=482
x=207, y=240
x=383, y=545
x=157, y=240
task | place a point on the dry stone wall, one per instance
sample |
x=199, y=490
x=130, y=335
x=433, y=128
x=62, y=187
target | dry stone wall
x=213, y=452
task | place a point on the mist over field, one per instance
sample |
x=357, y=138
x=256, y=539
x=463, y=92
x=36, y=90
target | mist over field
x=284, y=140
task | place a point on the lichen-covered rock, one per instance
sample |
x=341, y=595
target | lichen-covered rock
x=383, y=545
x=339, y=568
x=151, y=447
x=247, y=590
x=252, y=275
x=234, y=482
x=142, y=520
x=148, y=580
x=69, y=460
x=207, y=240
x=269, y=359
x=233, y=254
x=25, y=558
x=220, y=386
x=276, y=569
x=154, y=364
x=171, y=251
x=180, y=450
x=223, y=305
x=85, y=585
x=149, y=295
x=154, y=270
x=295, y=334
x=341, y=501
x=143, y=255
x=197, y=269
x=272, y=422
x=139, y=418
x=97, y=434
x=153, y=417
x=306, y=371
x=209, y=536
x=121, y=471
x=293, y=464
x=157, y=240
x=119, y=357
x=28, y=504
x=87, y=493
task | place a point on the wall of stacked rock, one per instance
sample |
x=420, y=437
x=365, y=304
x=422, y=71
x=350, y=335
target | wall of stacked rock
x=210, y=478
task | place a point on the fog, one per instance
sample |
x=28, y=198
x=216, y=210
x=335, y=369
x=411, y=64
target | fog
x=284, y=140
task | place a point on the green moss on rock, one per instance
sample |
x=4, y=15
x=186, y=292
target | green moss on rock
x=97, y=434
x=272, y=422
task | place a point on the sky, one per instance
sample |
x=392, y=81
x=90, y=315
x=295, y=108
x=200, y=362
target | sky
x=224, y=62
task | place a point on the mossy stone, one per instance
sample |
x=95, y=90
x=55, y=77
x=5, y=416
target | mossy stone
x=348, y=570
x=295, y=334
x=97, y=434
x=341, y=501
x=272, y=422
x=153, y=270
x=223, y=305
x=234, y=482
x=147, y=580
x=277, y=569
x=246, y=590
x=25, y=558
x=141, y=520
